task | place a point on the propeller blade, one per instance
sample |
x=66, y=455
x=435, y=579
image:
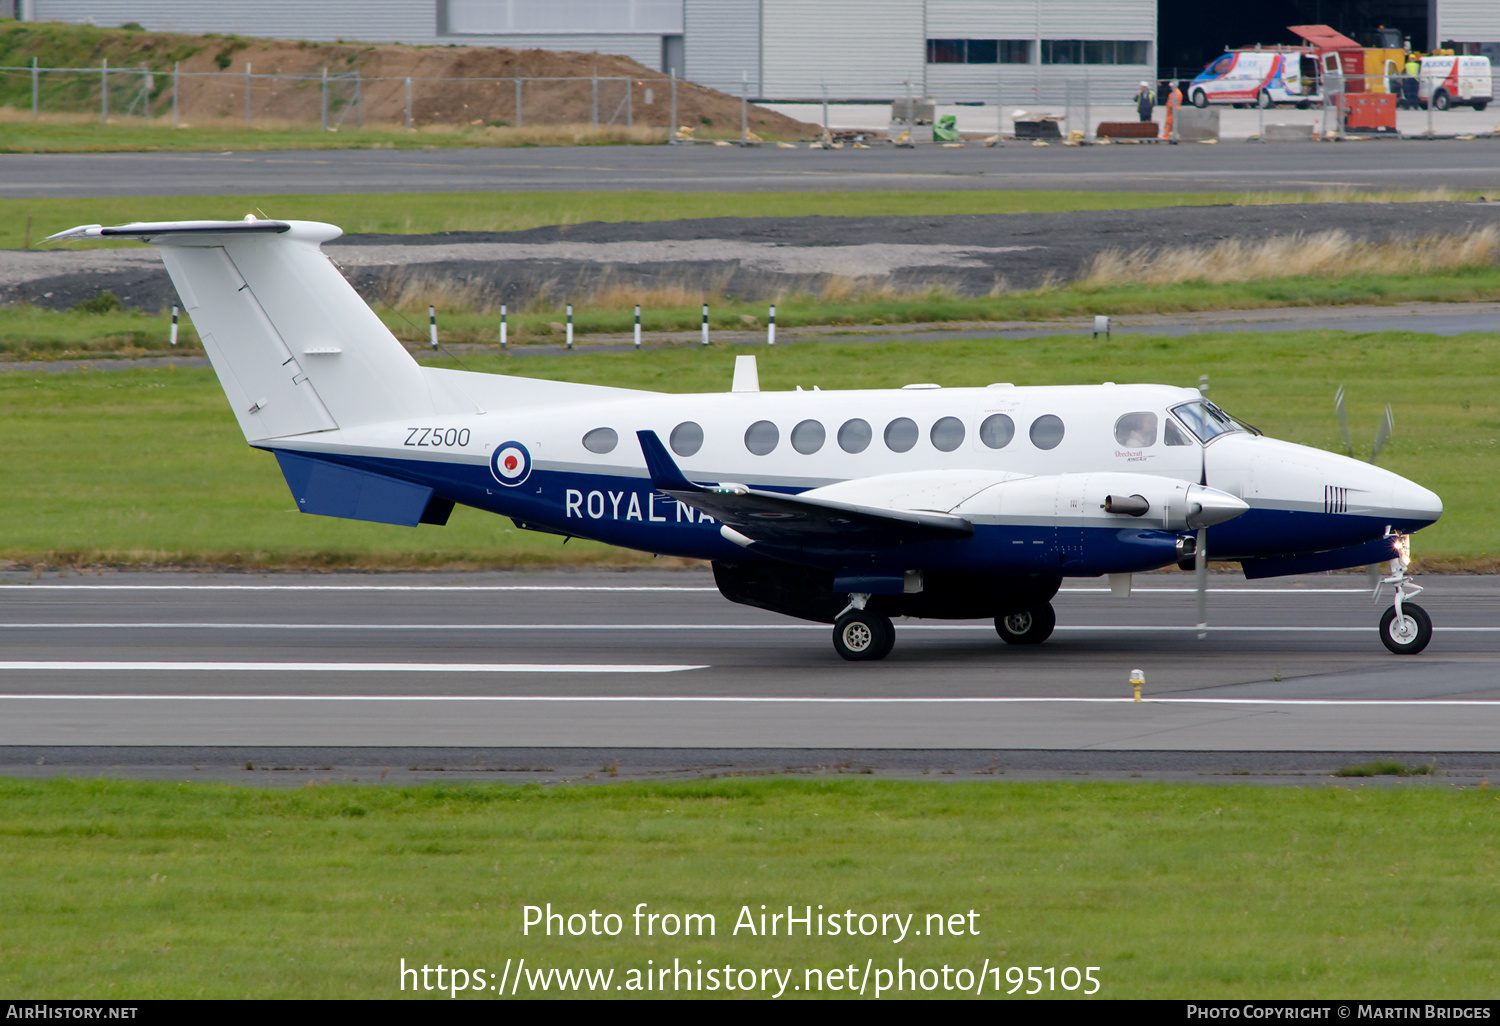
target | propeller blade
x=1384, y=434
x=1203, y=384
x=1338, y=404
x=1200, y=572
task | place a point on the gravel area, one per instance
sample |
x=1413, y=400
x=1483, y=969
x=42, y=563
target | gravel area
x=753, y=258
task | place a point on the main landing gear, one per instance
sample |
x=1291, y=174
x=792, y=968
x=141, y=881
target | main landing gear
x=1031, y=627
x=863, y=635
x=1405, y=628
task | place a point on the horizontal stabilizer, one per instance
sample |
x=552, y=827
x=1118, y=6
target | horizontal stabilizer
x=332, y=490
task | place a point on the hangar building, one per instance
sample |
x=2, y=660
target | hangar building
x=859, y=49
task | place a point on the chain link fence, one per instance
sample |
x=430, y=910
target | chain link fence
x=334, y=100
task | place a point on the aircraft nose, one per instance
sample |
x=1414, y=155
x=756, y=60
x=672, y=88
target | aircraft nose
x=1410, y=501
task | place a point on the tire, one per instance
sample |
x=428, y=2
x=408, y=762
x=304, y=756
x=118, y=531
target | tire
x=1440, y=100
x=863, y=636
x=1410, y=634
x=1200, y=99
x=1031, y=627
x=1480, y=104
x=1264, y=100
x=1303, y=105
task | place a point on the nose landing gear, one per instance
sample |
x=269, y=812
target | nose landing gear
x=1405, y=628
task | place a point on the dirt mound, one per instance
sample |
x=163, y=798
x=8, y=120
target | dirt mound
x=368, y=83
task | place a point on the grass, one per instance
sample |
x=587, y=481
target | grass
x=125, y=890
x=421, y=213
x=147, y=466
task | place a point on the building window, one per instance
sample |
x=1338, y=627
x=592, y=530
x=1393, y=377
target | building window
x=1094, y=51
x=978, y=51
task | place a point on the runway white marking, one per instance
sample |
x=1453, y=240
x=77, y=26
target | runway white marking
x=985, y=626
x=752, y=700
x=158, y=667
x=32, y=586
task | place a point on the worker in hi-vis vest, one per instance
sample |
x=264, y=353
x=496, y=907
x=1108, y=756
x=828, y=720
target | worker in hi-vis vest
x=1174, y=101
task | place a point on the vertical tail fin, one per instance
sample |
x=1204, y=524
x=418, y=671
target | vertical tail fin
x=294, y=346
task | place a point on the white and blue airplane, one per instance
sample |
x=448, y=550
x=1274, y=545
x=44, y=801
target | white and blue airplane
x=842, y=507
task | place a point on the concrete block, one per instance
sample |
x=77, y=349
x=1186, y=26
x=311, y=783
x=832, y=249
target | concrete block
x=1193, y=124
x=1289, y=133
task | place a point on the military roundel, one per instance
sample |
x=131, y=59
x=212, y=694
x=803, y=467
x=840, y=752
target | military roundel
x=511, y=464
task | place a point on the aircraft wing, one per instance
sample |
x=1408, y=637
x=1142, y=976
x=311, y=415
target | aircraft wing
x=793, y=520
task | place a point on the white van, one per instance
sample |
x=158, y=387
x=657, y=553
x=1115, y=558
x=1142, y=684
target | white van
x=1261, y=77
x=1445, y=81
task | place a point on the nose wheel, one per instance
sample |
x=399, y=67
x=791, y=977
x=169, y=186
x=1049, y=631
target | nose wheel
x=1405, y=628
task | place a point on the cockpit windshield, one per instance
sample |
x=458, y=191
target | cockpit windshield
x=1207, y=421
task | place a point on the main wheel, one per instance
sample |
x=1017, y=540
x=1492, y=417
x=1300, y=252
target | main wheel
x=1408, y=633
x=1200, y=98
x=862, y=635
x=1440, y=100
x=1481, y=104
x=1031, y=627
x=1264, y=100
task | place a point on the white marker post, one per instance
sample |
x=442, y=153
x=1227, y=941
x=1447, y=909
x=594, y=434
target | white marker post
x=638, y=325
x=570, y=325
x=432, y=325
x=502, y=325
x=174, y=325
x=771, y=327
x=705, y=324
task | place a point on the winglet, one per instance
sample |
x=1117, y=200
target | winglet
x=665, y=475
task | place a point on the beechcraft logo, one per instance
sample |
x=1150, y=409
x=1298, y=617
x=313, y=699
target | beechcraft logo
x=511, y=464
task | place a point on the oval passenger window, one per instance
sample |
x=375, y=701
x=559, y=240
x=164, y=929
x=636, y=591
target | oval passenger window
x=1136, y=430
x=901, y=434
x=761, y=437
x=947, y=434
x=686, y=438
x=1046, y=431
x=997, y=431
x=601, y=440
x=808, y=437
x=855, y=435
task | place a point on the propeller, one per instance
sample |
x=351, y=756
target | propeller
x=1382, y=434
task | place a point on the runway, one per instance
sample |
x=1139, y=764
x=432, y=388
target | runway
x=657, y=661
x=1231, y=166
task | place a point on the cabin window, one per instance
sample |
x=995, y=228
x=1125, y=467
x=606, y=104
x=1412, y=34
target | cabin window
x=1136, y=430
x=855, y=435
x=686, y=438
x=901, y=434
x=997, y=431
x=808, y=437
x=761, y=437
x=1046, y=431
x=947, y=434
x=601, y=440
x=1174, y=435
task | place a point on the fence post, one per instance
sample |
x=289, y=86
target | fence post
x=104, y=92
x=432, y=325
x=34, y=88
x=672, y=128
x=595, y=80
x=570, y=326
x=502, y=325
x=999, y=109
x=176, y=65
x=629, y=102
x=408, y=103
x=247, y=94
x=359, y=100
x=146, y=84
x=705, y=324
x=771, y=327
x=825, y=114
x=744, y=107
x=324, y=97
x=638, y=325
x=518, y=101
x=174, y=325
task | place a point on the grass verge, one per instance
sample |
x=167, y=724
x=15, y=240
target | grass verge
x=126, y=890
x=143, y=467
